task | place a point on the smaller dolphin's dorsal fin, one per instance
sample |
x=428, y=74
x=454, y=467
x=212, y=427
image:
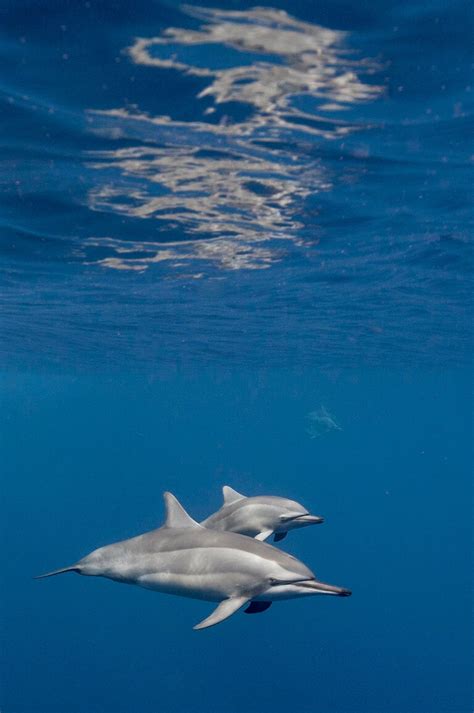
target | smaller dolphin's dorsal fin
x=176, y=515
x=231, y=495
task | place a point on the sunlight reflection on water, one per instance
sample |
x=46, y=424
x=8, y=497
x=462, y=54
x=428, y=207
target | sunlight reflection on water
x=231, y=185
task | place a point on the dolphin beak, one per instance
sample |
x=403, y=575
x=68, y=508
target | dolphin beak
x=322, y=588
x=310, y=519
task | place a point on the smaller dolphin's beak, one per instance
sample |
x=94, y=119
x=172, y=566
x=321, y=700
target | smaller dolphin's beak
x=301, y=518
x=322, y=588
x=310, y=519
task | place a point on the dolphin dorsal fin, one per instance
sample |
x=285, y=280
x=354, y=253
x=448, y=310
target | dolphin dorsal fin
x=176, y=515
x=231, y=495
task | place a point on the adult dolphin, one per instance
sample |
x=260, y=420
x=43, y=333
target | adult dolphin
x=259, y=516
x=186, y=559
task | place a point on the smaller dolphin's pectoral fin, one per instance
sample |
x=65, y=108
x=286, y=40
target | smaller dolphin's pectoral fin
x=223, y=611
x=262, y=536
x=257, y=607
x=231, y=495
x=176, y=515
x=279, y=536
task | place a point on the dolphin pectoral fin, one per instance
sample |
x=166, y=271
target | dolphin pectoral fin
x=231, y=495
x=257, y=607
x=223, y=611
x=262, y=536
x=279, y=536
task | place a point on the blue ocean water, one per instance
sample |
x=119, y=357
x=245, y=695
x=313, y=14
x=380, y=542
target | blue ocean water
x=236, y=249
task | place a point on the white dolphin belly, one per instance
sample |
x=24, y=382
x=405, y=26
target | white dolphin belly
x=207, y=573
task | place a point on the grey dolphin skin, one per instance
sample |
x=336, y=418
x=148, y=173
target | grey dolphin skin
x=259, y=516
x=186, y=559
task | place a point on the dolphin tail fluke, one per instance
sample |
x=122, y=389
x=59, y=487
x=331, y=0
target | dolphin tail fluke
x=73, y=568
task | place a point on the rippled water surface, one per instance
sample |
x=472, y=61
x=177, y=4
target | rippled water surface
x=261, y=184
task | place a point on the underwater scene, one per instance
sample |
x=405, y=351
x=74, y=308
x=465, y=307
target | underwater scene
x=236, y=356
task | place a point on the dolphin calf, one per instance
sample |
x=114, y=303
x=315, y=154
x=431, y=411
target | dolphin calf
x=182, y=557
x=259, y=516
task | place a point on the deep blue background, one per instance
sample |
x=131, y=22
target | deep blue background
x=201, y=369
x=85, y=463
